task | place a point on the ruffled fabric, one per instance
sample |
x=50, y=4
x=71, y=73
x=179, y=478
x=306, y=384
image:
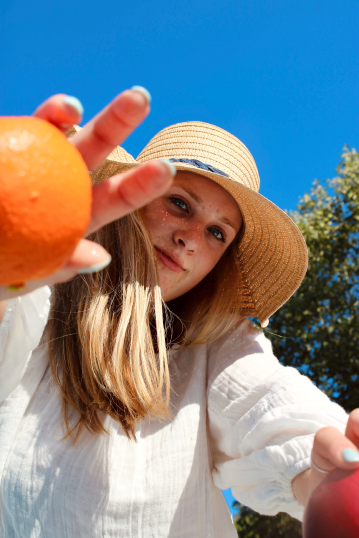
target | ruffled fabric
x=262, y=418
x=20, y=333
x=256, y=437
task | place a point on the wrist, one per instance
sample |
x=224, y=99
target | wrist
x=305, y=483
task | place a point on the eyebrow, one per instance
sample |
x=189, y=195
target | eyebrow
x=194, y=196
x=227, y=221
x=200, y=201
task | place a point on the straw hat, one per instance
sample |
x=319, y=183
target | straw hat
x=273, y=256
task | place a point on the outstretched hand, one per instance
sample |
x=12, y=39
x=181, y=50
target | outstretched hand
x=118, y=195
x=331, y=450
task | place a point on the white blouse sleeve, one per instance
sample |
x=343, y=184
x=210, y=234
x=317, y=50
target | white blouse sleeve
x=262, y=420
x=20, y=333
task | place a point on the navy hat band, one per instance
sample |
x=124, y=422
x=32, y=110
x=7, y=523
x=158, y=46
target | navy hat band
x=199, y=164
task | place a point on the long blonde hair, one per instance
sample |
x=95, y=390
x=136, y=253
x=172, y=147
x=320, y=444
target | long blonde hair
x=106, y=332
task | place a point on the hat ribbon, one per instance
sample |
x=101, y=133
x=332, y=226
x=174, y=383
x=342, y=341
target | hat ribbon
x=199, y=164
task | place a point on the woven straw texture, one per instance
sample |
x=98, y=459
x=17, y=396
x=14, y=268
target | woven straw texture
x=272, y=254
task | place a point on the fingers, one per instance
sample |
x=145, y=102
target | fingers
x=329, y=444
x=106, y=130
x=61, y=110
x=121, y=194
x=352, y=429
x=111, y=126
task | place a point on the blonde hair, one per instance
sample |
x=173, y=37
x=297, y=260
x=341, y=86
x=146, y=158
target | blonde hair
x=106, y=331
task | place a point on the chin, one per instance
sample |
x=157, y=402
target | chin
x=170, y=293
x=167, y=291
x=169, y=297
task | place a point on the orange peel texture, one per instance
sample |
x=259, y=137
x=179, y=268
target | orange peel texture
x=45, y=199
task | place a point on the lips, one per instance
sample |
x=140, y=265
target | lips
x=169, y=260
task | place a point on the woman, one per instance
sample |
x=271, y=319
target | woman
x=131, y=394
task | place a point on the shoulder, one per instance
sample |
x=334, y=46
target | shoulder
x=243, y=352
x=242, y=334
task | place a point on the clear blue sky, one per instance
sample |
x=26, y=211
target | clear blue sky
x=282, y=76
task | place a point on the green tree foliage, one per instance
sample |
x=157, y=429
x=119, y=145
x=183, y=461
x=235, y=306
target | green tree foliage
x=317, y=330
x=250, y=524
x=319, y=325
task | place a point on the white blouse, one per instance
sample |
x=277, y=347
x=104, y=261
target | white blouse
x=240, y=420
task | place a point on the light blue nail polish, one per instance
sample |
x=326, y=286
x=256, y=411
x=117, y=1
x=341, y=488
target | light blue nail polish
x=170, y=165
x=75, y=103
x=95, y=268
x=350, y=455
x=144, y=92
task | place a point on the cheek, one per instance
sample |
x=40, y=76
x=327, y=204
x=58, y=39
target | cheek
x=158, y=218
x=204, y=264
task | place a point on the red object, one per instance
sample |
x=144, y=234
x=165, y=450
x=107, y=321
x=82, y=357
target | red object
x=333, y=508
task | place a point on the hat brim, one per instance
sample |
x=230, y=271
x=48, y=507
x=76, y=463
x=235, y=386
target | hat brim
x=272, y=254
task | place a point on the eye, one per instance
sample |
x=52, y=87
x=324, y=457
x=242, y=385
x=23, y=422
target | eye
x=179, y=203
x=217, y=234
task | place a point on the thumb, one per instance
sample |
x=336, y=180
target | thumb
x=88, y=257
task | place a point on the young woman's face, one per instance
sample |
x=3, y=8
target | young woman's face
x=191, y=227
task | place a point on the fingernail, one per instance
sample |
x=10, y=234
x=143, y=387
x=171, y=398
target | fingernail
x=144, y=92
x=349, y=454
x=75, y=103
x=96, y=268
x=170, y=165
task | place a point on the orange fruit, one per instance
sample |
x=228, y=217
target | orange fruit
x=45, y=199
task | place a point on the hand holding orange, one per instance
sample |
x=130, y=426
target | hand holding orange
x=45, y=189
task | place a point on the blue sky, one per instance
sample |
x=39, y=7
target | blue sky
x=282, y=76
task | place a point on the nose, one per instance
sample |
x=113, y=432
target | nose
x=189, y=238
